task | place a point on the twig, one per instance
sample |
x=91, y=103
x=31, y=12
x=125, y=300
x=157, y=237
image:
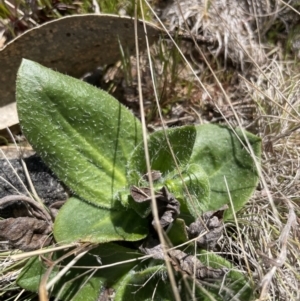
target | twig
x=34, y=204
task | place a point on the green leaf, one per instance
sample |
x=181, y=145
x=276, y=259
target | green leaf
x=178, y=234
x=76, y=286
x=235, y=284
x=194, y=177
x=136, y=285
x=79, y=220
x=130, y=280
x=196, y=182
x=223, y=154
x=207, y=155
x=83, y=134
x=152, y=283
x=182, y=143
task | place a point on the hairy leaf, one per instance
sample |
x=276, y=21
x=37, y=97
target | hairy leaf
x=194, y=177
x=182, y=143
x=208, y=156
x=192, y=186
x=224, y=156
x=82, y=133
x=78, y=220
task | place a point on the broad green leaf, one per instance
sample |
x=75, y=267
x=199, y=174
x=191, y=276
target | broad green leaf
x=182, y=143
x=74, y=285
x=79, y=220
x=207, y=155
x=195, y=192
x=83, y=134
x=194, y=177
x=223, y=154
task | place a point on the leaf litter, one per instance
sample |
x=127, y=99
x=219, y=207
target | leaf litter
x=207, y=229
x=168, y=206
x=211, y=221
x=26, y=224
x=26, y=233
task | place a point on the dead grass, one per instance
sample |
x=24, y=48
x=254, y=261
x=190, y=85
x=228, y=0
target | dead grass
x=274, y=209
x=261, y=82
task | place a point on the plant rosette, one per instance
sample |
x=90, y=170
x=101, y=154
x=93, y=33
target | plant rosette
x=94, y=145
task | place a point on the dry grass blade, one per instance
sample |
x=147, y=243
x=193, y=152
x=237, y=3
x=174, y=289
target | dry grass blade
x=153, y=201
x=44, y=286
x=280, y=260
x=239, y=233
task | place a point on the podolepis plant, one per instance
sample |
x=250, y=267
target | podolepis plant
x=94, y=145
